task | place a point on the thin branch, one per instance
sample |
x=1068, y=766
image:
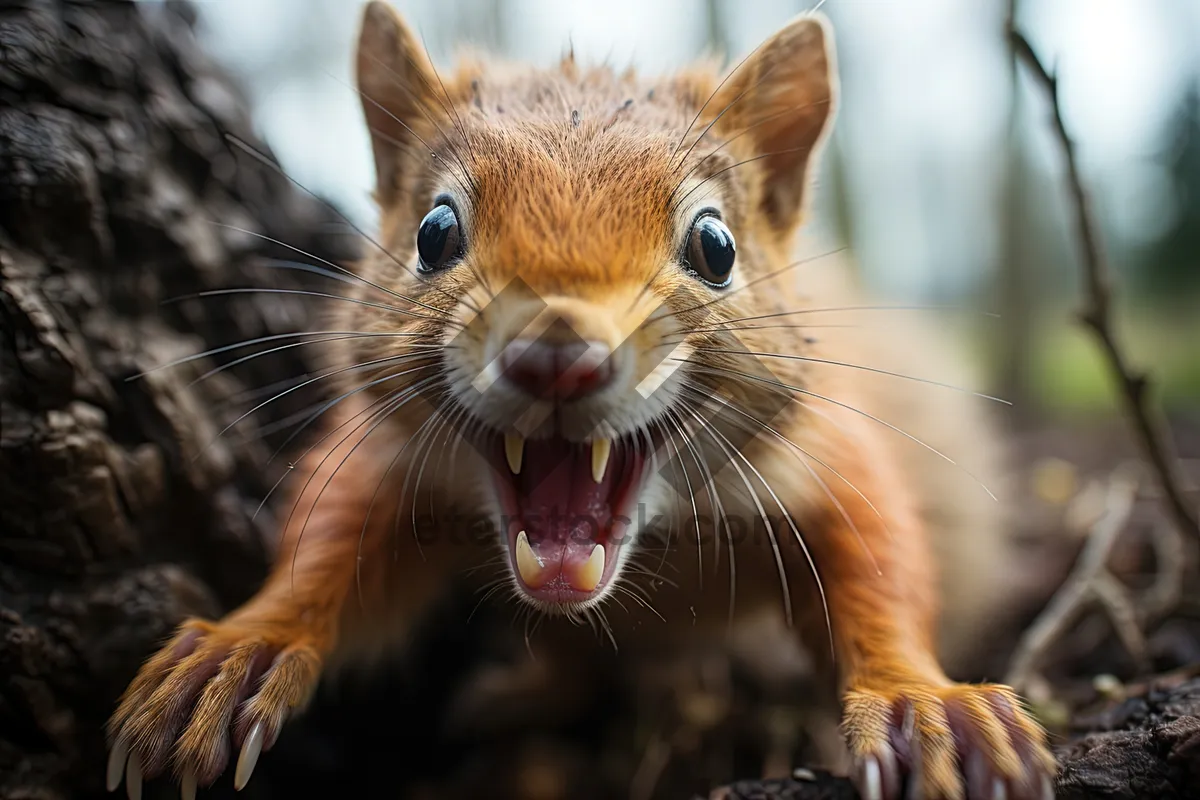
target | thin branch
x=1096, y=313
x=1089, y=583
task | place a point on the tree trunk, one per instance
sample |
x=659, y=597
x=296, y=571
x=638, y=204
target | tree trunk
x=117, y=515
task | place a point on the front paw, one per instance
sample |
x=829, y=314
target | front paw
x=213, y=685
x=946, y=742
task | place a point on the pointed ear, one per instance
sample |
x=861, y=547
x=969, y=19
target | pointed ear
x=782, y=101
x=396, y=82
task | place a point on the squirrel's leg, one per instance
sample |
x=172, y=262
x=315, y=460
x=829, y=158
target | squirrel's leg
x=911, y=731
x=235, y=681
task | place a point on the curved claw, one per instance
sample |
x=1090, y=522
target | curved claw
x=871, y=779
x=180, y=715
x=187, y=787
x=133, y=778
x=248, y=758
x=878, y=776
x=116, y=765
x=963, y=741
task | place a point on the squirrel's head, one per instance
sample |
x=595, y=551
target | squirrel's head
x=562, y=256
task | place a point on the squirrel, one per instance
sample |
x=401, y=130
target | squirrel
x=584, y=326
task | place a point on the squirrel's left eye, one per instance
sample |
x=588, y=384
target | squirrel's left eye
x=710, y=251
x=438, y=239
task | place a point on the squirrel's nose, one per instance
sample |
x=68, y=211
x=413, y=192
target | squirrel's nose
x=557, y=370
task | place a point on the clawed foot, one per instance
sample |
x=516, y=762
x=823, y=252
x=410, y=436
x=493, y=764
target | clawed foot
x=946, y=742
x=215, y=686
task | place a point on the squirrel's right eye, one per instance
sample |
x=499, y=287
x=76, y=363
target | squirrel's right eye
x=438, y=239
x=710, y=251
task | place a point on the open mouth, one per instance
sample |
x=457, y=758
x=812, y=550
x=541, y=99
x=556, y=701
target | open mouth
x=567, y=509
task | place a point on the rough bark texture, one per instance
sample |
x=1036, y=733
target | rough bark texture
x=116, y=519
x=121, y=510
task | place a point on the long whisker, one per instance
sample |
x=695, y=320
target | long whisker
x=804, y=456
x=461, y=177
x=470, y=264
x=675, y=206
x=432, y=364
x=863, y=367
x=463, y=180
x=859, y=411
x=266, y=161
x=379, y=416
x=599, y=612
x=269, y=351
x=452, y=422
x=269, y=262
x=495, y=586
x=285, y=392
x=791, y=524
x=725, y=297
x=691, y=497
x=734, y=138
x=358, y=559
x=448, y=103
x=637, y=598
x=421, y=437
x=701, y=395
x=797, y=326
x=350, y=274
x=399, y=81
x=430, y=441
x=260, y=340
x=714, y=495
x=827, y=309
x=724, y=80
x=263, y=430
x=375, y=495
x=310, y=293
x=729, y=452
x=383, y=400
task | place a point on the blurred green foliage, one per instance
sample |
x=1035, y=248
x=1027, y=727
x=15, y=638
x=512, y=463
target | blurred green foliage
x=1171, y=266
x=1070, y=375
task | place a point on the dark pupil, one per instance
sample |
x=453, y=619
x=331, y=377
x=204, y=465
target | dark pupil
x=437, y=240
x=716, y=245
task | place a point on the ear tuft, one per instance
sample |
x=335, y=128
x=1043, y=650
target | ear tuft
x=395, y=80
x=782, y=99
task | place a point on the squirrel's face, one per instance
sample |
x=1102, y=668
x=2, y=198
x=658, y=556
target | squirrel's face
x=563, y=254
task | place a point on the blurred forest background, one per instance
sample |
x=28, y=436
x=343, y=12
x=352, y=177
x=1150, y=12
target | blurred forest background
x=942, y=178
x=944, y=182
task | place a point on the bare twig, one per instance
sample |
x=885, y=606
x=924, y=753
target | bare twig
x=649, y=771
x=1089, y=583
x=1170, y=559
x=1096, y=314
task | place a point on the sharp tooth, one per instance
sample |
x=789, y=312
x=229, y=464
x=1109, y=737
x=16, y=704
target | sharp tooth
x=528, y=564
x=600, y=450
x=514, y=451
x=590, y=573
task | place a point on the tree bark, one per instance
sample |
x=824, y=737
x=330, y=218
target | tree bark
x=117, y=515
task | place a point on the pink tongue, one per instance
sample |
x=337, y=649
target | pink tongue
x=563, y=510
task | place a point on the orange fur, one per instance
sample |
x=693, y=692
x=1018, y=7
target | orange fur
x=571, y=181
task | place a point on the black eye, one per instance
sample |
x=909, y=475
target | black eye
x=710, y=251
x=438, y=239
